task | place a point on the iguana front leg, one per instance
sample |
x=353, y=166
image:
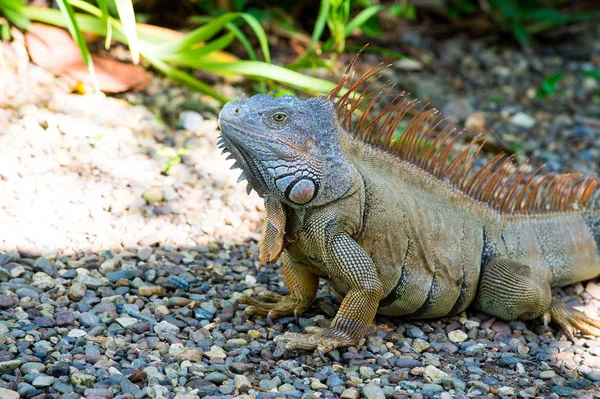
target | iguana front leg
x=347, y=261
x=301, y=282
x=511, y=290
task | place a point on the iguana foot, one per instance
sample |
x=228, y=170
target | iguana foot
x=274, y=306
x=322, y=339
x=571, y=320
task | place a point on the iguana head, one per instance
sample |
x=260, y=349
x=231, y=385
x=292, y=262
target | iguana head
x=287, y=147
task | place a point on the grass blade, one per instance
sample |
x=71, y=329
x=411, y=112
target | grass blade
x=198, y=35
x=260, y=34
x=127, y=16
x=316, y=35
x=243, y=39
x=13, y=11
x=262, y=70
x=87, y=23
x=73, y=27
x=104, y=8
x=319, y=25
x=184, y=78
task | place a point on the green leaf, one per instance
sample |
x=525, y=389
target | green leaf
x=361, y=18
x=105, y=21
x=189, y=56
x=592, y=74
x=319, y=25
x=521, y=33
x=545, y=14
x=4, y=35
x=404, y=10
x=549, y=85
x=13, y=11
x=127, y=16
x=73, y=27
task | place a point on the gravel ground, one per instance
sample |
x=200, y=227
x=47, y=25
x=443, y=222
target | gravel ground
x=125, y=241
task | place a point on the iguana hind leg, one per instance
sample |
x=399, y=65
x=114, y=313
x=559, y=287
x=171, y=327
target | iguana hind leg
x=511, y=290
x=302, y=284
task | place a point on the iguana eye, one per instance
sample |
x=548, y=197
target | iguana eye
x=279, y=117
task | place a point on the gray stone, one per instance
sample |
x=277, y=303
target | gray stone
x=77, y=292
x=593, y=375
x=241, y=382
x=433, y=374
x=372, y=391
x=546, y=375
x=88, y=319
x=407, y=362
x=44, y=265
x=479, y=385
x=9, y=365
x=6, y=302
x=43, y=381
x=113, y=277
x=8, y=394
x=458, y=110
x=25, y=292
x=82, y=379
x=98, y=393
x=165, y=329
x=367, y=373
x=267, y=384
x=433, y=387
x=523, y=120
x=217, y=378
x=92, y=355
x=32, y=367
x=64, y=319
x=350, y=393
x=91, y=282
x=334, y=380
x=144, y=253
x=190, y=120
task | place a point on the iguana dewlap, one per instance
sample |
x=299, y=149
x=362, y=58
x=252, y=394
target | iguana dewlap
x=395, y=223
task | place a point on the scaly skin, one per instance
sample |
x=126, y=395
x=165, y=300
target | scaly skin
x=389, y=236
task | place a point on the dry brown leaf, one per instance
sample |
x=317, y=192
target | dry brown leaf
x=53, y=49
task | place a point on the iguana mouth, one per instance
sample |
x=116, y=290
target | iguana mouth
x=243, y=160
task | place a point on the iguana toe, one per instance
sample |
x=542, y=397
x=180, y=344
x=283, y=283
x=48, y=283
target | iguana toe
x=572, y=320
x=314, y=338
x=273, y=306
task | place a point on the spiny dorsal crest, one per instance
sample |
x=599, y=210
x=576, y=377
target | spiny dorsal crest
x=373, y=112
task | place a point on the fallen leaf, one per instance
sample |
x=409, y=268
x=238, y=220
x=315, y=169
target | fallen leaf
x=53, y=49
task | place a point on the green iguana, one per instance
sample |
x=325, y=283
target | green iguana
x=399, y=226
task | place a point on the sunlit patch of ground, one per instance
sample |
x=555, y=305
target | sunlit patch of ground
x=82, y=172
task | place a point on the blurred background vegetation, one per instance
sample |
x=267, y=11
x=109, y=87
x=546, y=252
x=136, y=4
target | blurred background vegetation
x=282, y=45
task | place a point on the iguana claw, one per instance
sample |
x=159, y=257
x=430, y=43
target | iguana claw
x=571, y=320
x=272, y=306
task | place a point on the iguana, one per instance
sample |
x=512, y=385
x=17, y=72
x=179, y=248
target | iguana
x=398, y=224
